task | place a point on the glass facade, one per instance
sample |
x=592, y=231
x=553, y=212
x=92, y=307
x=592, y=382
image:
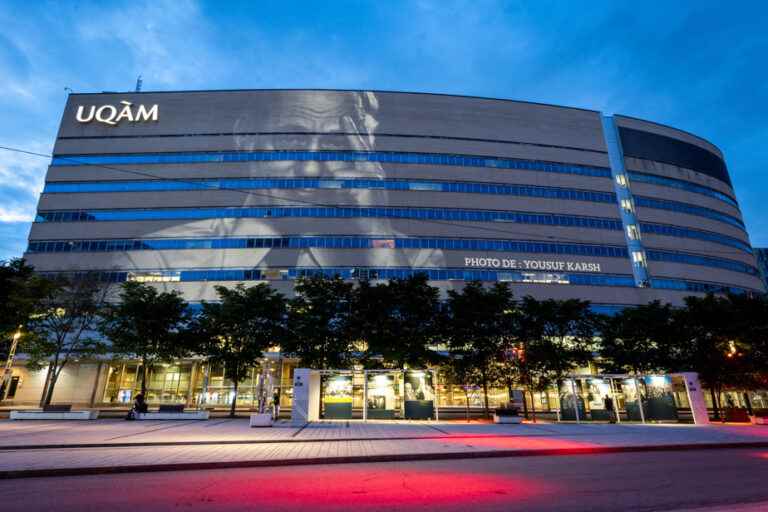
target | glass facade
x=311, y=183
x=331, y=156
x=389, y=157
x=353, y=242
x=460, y=215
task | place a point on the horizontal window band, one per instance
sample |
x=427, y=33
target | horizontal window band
x=372, y=273
x=650, y=228
x=381, y=184
x=326, y=242
x=690, y=209
x=429, y=214
x=354, y=156
x=332, y=183
x=330, y=156
x=360, y=242
x=333, y=134
x=688, y=186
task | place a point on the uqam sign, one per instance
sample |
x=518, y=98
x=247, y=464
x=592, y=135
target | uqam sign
x=114, y=114
x=545, y=265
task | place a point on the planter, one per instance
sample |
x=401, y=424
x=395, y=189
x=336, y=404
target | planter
x=507, y=416
x=758, y=420
x=261, y=420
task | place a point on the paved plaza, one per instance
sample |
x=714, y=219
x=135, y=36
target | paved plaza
x=37, y=448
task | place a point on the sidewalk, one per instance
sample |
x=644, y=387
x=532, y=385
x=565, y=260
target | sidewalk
x=107, y=446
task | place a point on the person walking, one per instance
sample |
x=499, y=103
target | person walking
x=608, y=401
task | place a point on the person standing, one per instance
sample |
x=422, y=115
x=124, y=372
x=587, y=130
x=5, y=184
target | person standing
x=276, y=405
x=608, y=401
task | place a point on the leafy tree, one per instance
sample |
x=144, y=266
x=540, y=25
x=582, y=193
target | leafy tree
x=64, y=327
x=399, y=321
x=236, y=331
x=750, y=325
x=318, y=323
x=147, y=324
x=481, y=326
x=555, y=337
x=639, y=339
x=710, y=343
x=22, y=293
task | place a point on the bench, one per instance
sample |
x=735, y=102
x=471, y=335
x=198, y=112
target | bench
x=54, y=412
x=173, y=412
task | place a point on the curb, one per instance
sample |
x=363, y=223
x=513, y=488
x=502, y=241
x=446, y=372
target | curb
x=361, y=459
x=141, y=444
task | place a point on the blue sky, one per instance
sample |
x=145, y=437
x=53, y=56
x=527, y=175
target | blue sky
x=700, y=66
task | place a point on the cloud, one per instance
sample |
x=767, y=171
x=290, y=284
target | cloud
x=167, y=41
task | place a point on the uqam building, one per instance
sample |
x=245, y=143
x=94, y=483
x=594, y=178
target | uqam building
x=189, y=190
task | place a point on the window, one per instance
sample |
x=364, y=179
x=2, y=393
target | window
x=626, y=205
x=621, y=180
x=638, y=258
x=633, y=233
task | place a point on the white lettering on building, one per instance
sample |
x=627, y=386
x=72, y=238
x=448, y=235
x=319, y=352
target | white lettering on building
x=538, y=265
x=112, y=115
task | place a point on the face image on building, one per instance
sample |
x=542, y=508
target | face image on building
x=189, y=190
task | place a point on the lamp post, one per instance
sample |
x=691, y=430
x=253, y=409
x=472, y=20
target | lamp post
x=8, y=370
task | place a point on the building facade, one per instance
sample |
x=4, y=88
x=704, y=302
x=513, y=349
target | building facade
x=189, y=190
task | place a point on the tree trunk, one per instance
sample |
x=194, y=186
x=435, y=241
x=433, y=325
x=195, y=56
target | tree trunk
x=485, y=395
x=144, y=377
x=466, y=396
x=533, y=404
x=715, y=408
x=47, y=383
x=234, y=400
x=51, y=385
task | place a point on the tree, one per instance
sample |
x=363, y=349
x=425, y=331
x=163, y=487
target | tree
x=481, y=326
x=639, y=339
x=319, y=323
x=148, y=325
x=555, y=337
x=710, y=343
x=22, y=293
x=750, y=326
x=64, y=327
x=236, y=331
x=399, y=321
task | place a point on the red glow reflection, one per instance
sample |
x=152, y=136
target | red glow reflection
x=516, y=443
x=391, y=485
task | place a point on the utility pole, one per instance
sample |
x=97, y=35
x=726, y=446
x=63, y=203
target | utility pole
x=8, y=370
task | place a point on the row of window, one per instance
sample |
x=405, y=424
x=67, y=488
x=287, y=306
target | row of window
x=360, y=242
x=435, y=274
x=349, y=183
x=693, y=259
x=688, y=186
x=326, y=242
x=681, y=232
x=331, y=156
x=396, y=157
x=332, y=212
x=697, y=286
x=690, y=209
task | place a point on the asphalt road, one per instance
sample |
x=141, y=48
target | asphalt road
x=725, y=479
